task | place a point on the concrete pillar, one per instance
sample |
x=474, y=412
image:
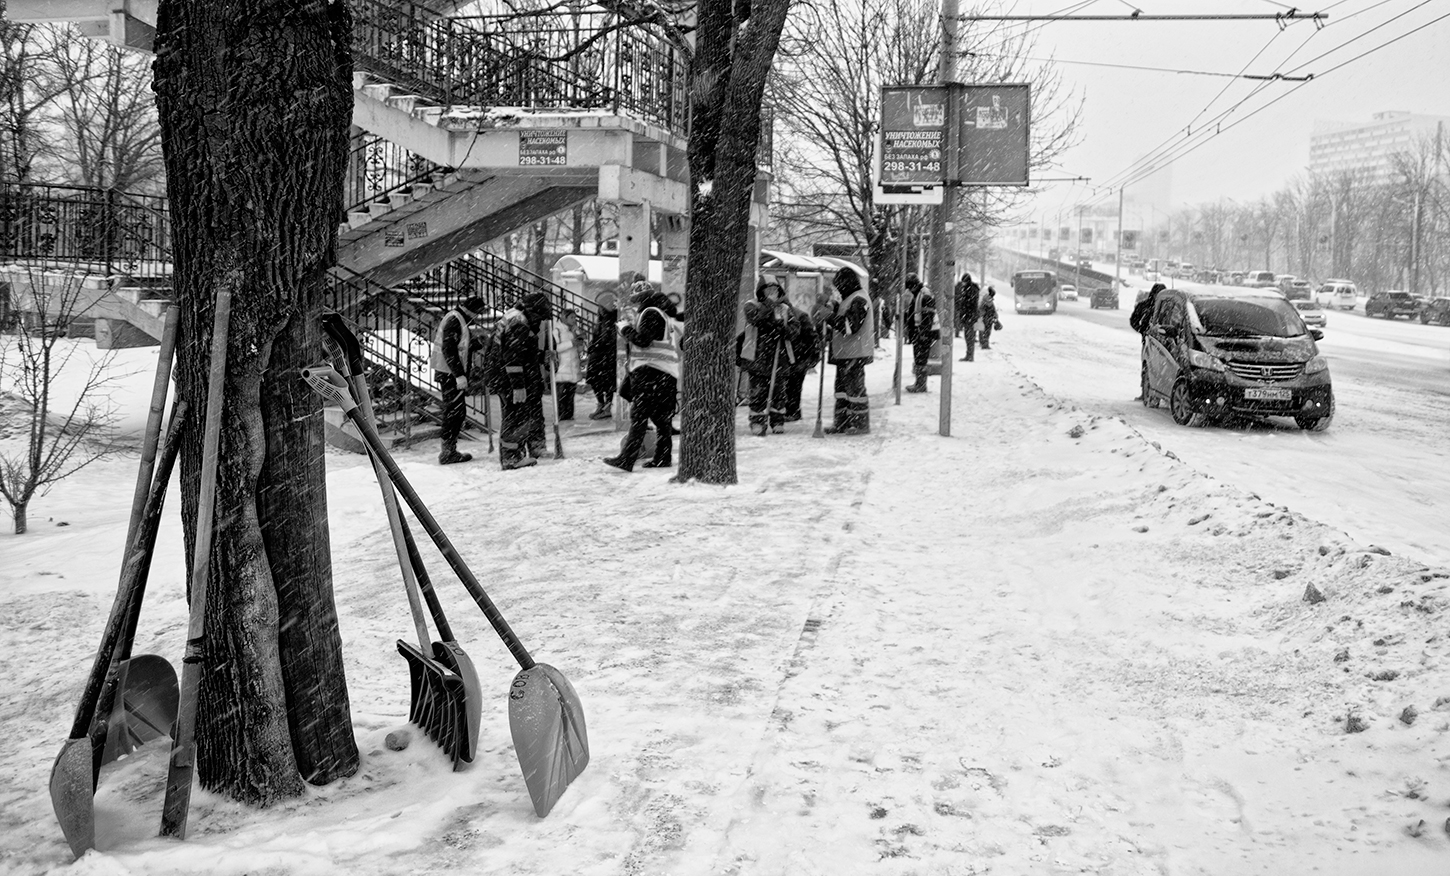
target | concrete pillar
x=634, y=238
x=674, y=255
x=634, y=246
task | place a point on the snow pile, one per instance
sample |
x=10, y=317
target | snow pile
x=1044, y=644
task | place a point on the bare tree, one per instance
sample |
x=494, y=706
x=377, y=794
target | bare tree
x=23, y=97
x=59, y=437
x=256, y=151
x=107, y=134
x=837, y=55
x=734, y=49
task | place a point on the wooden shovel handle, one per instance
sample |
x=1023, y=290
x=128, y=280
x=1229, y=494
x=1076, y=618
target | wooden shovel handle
x=177, y=800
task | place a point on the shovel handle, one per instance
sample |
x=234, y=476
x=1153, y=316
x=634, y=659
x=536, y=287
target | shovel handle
x=177, y=801
x=137, y=567
x=329, y=384
x=346, y=340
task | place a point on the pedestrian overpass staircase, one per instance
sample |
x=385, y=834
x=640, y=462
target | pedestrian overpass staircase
x=466, y=128
x=108, y=254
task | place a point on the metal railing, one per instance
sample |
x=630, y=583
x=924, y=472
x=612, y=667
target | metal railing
x=110, y=232
x=564, y=60
x=396, y=327
x=377, y=167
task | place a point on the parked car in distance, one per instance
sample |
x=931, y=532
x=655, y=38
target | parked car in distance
x=1338, y=294
x=1437, y=312
x=1235, y=278
x=1392, y=304
x=1259, y=279
x=1103, y=297
x=1311, y=313
x=1298, y=290
x=1213, y=353
x=1067, y=292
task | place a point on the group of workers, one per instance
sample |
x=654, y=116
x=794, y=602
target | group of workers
x=779, y=345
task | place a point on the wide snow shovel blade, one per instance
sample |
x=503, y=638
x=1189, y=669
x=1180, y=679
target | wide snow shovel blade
x=445, y=702
x=437, y=704
x=144, y=707
x=469, y=697
x=549, y=733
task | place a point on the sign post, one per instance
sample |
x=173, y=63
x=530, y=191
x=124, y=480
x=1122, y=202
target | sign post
x=935, y=139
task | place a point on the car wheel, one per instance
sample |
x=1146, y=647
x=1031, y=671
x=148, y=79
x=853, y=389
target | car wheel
x=1316, y=424
x=1181, y=407
x=1424, y=319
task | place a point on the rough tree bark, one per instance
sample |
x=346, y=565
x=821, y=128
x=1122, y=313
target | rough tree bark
x=727, y=80
x=255, y=99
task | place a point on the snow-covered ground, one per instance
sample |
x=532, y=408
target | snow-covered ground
x=1045, y=644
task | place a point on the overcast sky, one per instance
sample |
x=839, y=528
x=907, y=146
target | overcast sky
x=1132, y=113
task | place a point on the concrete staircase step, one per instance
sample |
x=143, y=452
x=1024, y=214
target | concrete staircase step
x=404, y=102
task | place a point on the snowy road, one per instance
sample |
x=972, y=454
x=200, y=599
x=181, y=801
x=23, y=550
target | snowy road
x=1378, y=473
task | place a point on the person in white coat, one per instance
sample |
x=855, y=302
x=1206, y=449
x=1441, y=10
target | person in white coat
x=566, y=361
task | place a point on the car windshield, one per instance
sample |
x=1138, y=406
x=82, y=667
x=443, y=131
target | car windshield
x=1247, y=318
x=1306, y=305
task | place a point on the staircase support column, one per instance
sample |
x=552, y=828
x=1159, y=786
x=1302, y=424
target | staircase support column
x=674, y=255
x=634, y=240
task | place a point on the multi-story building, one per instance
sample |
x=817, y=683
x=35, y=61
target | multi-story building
x=1369, y=149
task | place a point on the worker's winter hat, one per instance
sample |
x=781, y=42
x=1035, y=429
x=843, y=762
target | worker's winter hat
x=846, y=282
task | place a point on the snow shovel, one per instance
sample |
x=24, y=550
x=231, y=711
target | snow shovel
x=138, y=703
x=821, y=395
x=550, y=353
x=545, y=716
x=446, y=700
x=75, y=771
x=177, y=801
x=77, y=767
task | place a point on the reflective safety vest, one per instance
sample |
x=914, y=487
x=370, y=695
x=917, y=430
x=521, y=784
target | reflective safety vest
x=860, y=344
x=439, y=359
x=663, y=354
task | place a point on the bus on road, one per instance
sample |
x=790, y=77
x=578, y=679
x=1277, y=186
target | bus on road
x=1035, y=291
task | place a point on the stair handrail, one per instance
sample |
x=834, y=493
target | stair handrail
x=477, y=62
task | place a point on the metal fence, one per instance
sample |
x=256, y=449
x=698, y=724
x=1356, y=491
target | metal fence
x=377, y=167
x=558, y=59
x=108, y=231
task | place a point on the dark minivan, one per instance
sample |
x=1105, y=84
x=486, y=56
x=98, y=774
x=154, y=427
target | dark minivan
x=1224, y=351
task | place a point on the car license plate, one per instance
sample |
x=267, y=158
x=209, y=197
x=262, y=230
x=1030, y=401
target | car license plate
x=1269, y=394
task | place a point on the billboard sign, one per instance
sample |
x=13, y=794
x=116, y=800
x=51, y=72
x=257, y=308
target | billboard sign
x=913, y=134
x=994, y=121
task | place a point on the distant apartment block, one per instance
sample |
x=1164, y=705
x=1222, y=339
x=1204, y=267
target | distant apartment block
x=1370, y=148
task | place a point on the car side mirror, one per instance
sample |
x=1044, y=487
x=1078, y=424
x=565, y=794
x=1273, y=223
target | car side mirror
x=1316, y=334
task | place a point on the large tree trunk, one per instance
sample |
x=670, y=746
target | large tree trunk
x=727, y=77
x=255, y=100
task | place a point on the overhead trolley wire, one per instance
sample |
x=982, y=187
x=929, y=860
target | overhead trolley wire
x=1187, y=149
x=1161, y=157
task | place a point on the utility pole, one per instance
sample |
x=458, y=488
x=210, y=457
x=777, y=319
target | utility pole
x=1077, y=256
x=943, y=263
x=1415, y=246
x=1118, y=259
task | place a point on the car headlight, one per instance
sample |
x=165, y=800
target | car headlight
x=1200, y=359
x=1316, y=365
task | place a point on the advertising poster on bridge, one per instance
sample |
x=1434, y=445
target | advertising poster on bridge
x=994, y=121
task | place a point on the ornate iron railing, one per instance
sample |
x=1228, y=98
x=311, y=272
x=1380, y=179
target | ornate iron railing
x=110, y=232
x=558, y=59
x=396, y=327
x=377, y=167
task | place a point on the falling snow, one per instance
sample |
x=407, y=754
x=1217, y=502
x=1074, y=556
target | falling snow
x=1042, y=645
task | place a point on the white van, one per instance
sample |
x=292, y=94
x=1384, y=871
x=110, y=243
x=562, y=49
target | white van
x=1339, y=294
x=1260, y=279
